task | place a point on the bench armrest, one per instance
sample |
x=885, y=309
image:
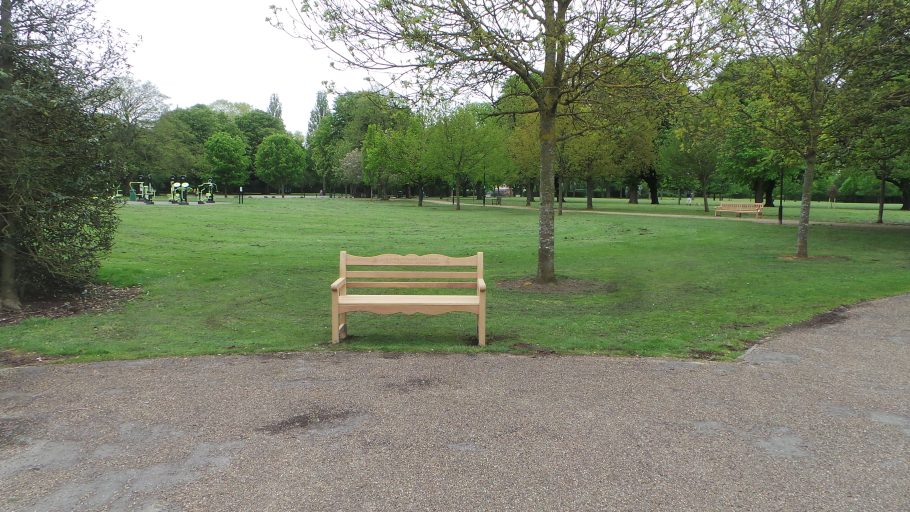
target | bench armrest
x=339, y=284
x=481, y=285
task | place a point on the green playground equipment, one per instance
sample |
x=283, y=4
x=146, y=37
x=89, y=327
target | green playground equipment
x=142, y=191
x=175, y=190
x=179, y=189
x=206, y=192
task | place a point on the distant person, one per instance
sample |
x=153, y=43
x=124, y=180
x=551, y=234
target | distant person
x=689, y=199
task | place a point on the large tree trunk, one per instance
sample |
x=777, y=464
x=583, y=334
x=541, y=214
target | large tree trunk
x=758, y=188
x=9, y=296
x=651, y=179
x=769, y=193
x=904, y=185
x=802, y=231
x=633, y=192
x=546, y=267
x=589, y=192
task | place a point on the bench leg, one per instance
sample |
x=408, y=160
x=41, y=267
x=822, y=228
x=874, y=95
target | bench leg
x=482, y=328
x=343, y=319
x=335, y=322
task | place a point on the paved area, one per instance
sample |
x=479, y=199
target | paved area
x=817, y=418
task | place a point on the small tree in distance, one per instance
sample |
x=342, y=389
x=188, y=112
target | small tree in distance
x=226, y=154
x=280, y=160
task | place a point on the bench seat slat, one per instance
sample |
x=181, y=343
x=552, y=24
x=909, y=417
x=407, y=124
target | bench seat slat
x=435, y=300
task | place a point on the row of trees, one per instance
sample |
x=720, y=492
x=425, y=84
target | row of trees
x=790, y=66
x=72, y=128
x=233, y=143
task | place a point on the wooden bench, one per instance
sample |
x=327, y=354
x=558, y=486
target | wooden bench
x=740, y=208
x=412, y=278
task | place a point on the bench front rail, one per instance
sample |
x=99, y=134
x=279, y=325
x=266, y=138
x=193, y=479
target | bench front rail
x=431, y=271
x=740, y=208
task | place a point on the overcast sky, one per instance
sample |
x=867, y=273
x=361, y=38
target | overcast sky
x=199, y=51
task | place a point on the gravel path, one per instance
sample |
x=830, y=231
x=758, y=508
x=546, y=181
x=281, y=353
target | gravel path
x=817, y=418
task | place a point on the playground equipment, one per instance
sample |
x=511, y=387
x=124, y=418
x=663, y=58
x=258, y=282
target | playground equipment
x=142, y=191
x=206, y=192
x=175, y=190
x=179, y=190
x=116, y=196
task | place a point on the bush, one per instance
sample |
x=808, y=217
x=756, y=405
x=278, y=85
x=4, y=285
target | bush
x=61, y=242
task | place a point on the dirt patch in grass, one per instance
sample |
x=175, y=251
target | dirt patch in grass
x=490, y=338
x=835, y=316
x=96, y=298
x=562, y=285
x=530, y=348
x=703, y=354
x=14, y=358
x=791, y=257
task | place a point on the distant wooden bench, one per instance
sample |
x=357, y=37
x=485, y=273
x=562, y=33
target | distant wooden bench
x=414, y=277
x=740, y=208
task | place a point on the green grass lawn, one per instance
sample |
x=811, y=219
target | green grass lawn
x=229, y=278
x=820, y=212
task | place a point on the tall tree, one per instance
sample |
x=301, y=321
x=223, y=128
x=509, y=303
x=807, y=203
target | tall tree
x=462, y=146
x=557, y=48
x=320, y=110
x=378, y=164
x=226, y=155
x=280, y=161
x=57, y=75
x=136, y=107
x=274, y=109
x=873, y=103
x=802, y=44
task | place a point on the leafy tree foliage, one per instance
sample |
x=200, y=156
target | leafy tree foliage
x=280, y=161
x=226, y=156
x=255, y=126
x=558, y=48
x=462, y=146
x=274, y=109
x=57, y=76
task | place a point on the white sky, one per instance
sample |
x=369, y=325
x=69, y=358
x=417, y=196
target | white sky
x=199, y=51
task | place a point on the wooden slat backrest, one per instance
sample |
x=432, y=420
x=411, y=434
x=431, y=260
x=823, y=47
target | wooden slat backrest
x=412, y=278
x=413, y=260
x=740, y=206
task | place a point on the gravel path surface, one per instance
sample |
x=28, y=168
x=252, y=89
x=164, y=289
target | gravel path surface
x=817, y=418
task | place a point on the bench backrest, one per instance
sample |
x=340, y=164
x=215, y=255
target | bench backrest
x=741, y=206
x=411, y=271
